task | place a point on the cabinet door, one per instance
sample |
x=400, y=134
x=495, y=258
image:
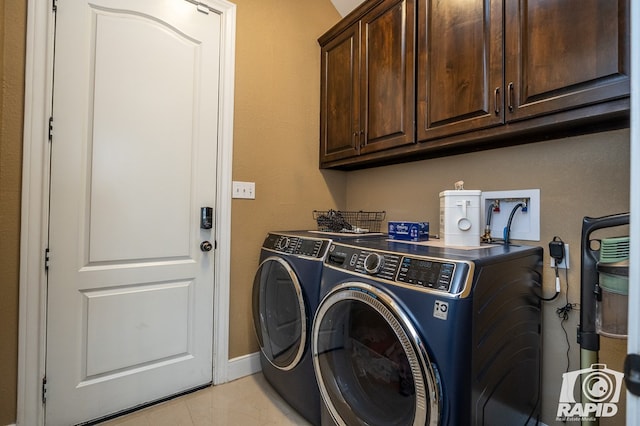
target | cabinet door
x=460, y=82
x=564, y=54
x=387, y=76
x=339, y=99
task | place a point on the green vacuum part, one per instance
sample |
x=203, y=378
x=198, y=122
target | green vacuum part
x=614, y=254
x=614, y=250
x=613, y=279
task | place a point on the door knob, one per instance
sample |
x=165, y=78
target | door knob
x=206, y=246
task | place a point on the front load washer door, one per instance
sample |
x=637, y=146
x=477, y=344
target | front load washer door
x=371, y=365
x=279, y=314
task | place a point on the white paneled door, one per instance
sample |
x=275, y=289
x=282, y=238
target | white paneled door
x=135, y=130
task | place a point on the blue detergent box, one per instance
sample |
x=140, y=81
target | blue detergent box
x=409, y=231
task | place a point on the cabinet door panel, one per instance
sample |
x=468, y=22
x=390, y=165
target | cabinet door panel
x=555, y=62
x=387, y=81
x=459, y=66
x=339, y=103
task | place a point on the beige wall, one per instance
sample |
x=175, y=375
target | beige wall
x=577, y=177
x=12, y=41
x=276, y=146
x=276, y=136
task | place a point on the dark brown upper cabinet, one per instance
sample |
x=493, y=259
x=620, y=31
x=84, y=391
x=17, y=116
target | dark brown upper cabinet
x=367, y=101
x=484, y=63
x=460, y=64
x=564, y=54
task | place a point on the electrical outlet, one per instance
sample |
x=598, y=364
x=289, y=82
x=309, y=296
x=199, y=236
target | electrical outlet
x=245, y=190
x=565, y=262
x=525, y=224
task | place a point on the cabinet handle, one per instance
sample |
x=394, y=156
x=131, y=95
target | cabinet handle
x=496, y=101
x=363, y=138
x=511, y=97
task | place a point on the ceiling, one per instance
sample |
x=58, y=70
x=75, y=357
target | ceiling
x=345, y=6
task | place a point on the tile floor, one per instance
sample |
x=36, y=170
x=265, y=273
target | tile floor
x=246, y=401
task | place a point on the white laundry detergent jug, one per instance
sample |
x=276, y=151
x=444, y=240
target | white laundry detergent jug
x=460, y=217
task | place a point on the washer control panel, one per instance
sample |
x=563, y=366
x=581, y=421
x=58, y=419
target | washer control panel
x=298, y=246
x=435, y=274
x=426, y=273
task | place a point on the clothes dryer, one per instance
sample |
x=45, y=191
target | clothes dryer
x=286, y=293
x=416, y=335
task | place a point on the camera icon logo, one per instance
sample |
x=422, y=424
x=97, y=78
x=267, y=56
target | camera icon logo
x=599, y=387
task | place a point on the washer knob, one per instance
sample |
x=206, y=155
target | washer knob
x=283, y=243
x=373, y=263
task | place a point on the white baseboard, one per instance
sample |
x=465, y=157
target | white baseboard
x=243, y=366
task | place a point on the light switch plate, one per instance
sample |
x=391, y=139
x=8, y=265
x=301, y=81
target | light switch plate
x=246, y=190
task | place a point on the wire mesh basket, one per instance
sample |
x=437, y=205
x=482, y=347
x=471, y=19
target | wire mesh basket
x=348, y=221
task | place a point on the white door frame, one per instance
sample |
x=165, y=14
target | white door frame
x=35, y=195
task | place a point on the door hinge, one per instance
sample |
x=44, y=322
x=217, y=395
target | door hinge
x=50, y=129
x=44, y=389
x=46, y=259
x=54, y=5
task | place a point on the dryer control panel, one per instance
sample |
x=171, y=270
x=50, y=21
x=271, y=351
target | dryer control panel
x=426, y=273
x=435, y=274
x=315, y=248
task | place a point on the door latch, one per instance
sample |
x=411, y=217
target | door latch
x=632, y=373
x=206, y=217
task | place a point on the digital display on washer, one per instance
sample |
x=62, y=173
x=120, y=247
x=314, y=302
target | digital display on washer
x=309, y=247
x=426, y=273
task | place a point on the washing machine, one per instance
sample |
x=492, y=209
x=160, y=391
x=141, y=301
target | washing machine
x=408, y=334
x=286, y=293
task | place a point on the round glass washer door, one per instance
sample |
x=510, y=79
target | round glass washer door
x=279, y=314
x=370, y=362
